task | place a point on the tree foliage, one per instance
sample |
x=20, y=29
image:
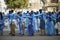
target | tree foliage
x=17, y=3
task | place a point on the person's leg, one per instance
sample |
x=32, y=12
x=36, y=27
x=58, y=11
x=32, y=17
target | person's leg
x=1, y=32
x=57, y=30
x=10, y=24
x=40, y=31
x=43, y=32
x=21, y=29
x=48, y=31
x=13, y=30
x=1, y=28
x=10, y=28
x=30, y=30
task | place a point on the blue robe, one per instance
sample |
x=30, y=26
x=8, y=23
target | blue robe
x=50, y=28
x=27, y=21
x=35, y=22
x=20, y=24
x=6, y=21
x=30, y=27
x=1, y=26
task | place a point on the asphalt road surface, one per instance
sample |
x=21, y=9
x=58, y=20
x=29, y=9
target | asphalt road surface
x=6, y=36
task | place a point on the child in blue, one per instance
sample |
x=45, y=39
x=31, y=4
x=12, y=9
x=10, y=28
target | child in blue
x=20, y=24
x=30, y=25
x=50, y=29
x=58, y=23
x=12, y=24
x=35, y=20
x=1, y=24
x=6, y=20
x=27, y=20
x=42, y=22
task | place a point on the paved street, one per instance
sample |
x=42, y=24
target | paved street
x=29, y=38
x=35, y=37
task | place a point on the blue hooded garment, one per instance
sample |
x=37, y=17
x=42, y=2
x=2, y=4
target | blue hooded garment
x=30, y=26
x=35, y=22
x=50, y=28
x=20, y=24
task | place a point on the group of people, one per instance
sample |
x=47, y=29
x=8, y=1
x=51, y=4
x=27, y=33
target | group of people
x=31, y=22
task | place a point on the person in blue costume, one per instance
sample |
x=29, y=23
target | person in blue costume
x=21, y=29
x=30, y=25
x=38, y=21
x=11, y=18
x=58, y=23
x=42, y=22
x=35, y=19
x=1, y=24
x=32, y=15
x=50, y=29
x=24, y=21
x=6, y=20
x=54, y=16
x=27, y=20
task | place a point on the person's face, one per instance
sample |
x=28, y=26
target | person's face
x=40, y=11
x=27, y=11
x=31, y=12
x=59, y=12
x=50, y=13
x=20, y=14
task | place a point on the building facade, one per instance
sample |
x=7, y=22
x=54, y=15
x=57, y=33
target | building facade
x=53, y=5
x=35, y=5
x=50, y=5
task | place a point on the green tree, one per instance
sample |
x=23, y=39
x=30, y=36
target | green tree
x=17, y=3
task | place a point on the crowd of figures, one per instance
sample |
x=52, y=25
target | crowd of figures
x=31, y=22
